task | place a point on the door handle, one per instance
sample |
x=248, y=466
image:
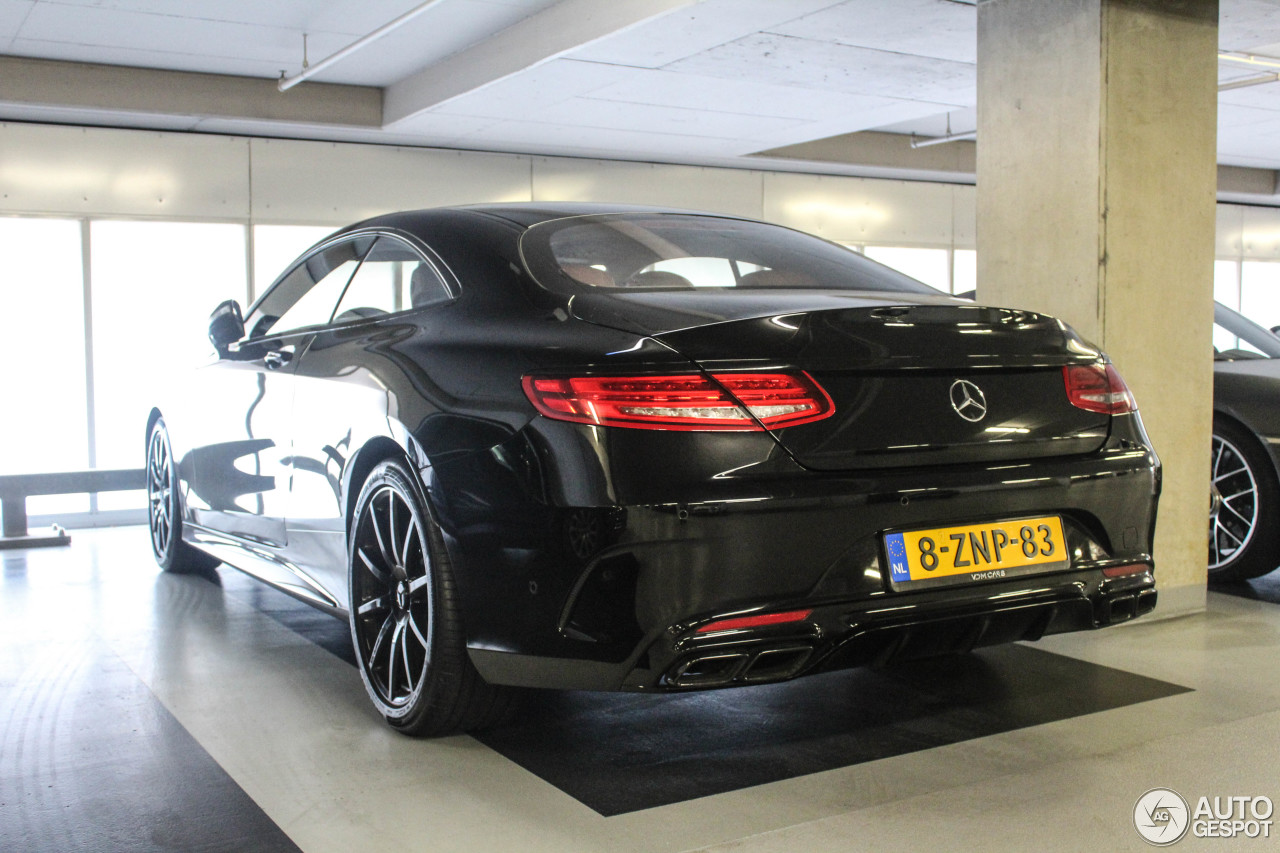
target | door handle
x=277, y=358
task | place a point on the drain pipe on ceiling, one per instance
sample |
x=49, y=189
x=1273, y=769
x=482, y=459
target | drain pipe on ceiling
x=287, y=83
x=925, y=142
x=1249, y=81
x=1249, y=59
x=939, y=140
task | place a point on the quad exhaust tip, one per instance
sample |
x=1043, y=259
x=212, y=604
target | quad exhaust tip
x=1125, y=607
x=771, y=663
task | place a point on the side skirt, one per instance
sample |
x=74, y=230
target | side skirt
x=262, y=563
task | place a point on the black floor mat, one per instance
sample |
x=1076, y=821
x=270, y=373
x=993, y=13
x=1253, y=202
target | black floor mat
x=623, y=752
x=620, y=753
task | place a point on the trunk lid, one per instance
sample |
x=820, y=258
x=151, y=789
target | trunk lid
x=917, y=384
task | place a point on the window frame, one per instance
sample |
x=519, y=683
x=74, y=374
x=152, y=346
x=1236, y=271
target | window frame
x=301, y=261
x=451, y=290
x=425, y=253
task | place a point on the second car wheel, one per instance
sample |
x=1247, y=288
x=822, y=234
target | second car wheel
x=405, y=616
x=1244, y=541
x=164, y=509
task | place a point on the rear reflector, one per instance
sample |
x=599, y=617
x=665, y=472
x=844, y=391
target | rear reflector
x=758, y=621
x=1098, y=388
x=1125, y=571
x=733, y=401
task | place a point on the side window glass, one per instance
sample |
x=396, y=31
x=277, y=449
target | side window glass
x=1227, y=346
x=392, y=278
x=306, y=296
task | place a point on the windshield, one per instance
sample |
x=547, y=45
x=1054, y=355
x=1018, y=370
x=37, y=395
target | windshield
x=1237, y=337
x=669, y=251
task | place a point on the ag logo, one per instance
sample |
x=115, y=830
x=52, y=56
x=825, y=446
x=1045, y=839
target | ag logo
x=1161, y=817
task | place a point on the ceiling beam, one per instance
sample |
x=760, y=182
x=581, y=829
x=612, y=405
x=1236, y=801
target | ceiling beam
x=114, y=88
x=958, y=162
x=539, y=38
x=887, y=150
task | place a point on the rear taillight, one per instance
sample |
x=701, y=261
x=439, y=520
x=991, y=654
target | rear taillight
x=726, y=401
x=1098, y=388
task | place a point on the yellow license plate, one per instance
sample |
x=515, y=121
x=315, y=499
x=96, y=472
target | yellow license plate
x=976, y=552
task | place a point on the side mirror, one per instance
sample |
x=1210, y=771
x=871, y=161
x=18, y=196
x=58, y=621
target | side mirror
x=226, y=325
x=1275, y=330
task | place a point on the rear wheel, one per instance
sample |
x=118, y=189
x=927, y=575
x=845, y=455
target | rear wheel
x=405, y=616
x=1244, y=541
x=164, y=509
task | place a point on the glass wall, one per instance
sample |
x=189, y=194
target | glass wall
x=277, y=246
x=150, y=287
x=932, y=266
x=964, y=271
x=1226, y=289
x=45, y=427
x=153, y=284
x=1260, y=292
x=948, y=270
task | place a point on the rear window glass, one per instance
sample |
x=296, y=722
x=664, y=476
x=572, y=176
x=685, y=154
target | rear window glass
x=648, y=251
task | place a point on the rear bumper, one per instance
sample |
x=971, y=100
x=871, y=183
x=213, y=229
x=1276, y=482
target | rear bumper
x=847, y=634
x=627, y=617
x=843, y=634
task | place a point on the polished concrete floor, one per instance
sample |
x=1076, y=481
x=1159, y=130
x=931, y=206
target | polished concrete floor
x=143, y=711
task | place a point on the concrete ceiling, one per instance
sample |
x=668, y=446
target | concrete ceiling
x=820, y=85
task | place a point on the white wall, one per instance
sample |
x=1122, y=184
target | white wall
x=96, y=172
x=1248, y=233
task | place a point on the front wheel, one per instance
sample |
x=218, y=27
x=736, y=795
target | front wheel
x=1244, y=499
x=164, y=509
x=405, y=616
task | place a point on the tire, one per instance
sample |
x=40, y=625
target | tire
x=406, y=617
x=1244, y=540
x=164, y=510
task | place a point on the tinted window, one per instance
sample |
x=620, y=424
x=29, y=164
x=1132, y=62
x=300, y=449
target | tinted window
x=683, y=251
x=307, y=294
x=1236, y=336
x=392, y=278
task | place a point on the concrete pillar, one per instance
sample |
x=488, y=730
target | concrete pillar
x=1097, y=129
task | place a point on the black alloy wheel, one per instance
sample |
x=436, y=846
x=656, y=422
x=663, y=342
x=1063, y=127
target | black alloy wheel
x=405, y=616
x=1244, y=541
x=164, y=509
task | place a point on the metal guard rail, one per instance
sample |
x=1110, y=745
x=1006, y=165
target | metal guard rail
x=16, y=488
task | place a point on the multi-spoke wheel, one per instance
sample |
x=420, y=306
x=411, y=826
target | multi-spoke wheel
x=164, y=509
x=1244, y=540
x=405, y=616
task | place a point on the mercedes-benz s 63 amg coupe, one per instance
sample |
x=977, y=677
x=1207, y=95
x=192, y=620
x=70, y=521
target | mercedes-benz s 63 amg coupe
x=1244, y=497
x=619, y=448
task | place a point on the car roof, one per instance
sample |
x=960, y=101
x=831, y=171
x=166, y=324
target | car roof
x=524, y=214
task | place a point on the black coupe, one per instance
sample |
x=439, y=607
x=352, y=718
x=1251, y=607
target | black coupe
x=632, y=449
x=1244, y=505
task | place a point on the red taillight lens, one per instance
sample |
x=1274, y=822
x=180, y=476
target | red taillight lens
x=1098, y=388
x=691, y=402
x=757, y=621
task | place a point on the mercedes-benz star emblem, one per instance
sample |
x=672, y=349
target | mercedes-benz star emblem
x=968, y=400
